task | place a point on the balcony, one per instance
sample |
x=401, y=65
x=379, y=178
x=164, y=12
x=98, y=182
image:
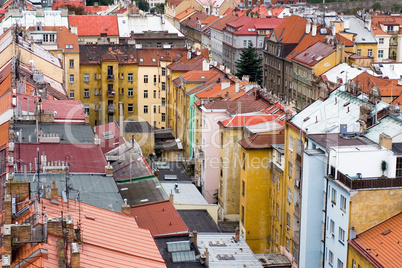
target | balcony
x=367, y=183
x=392, y=32
x=111, y=108
x=110, y=77
x=393, y=43
x=110, y=93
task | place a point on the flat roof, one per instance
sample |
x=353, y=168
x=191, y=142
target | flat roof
x=167, y=169
x=187, y=194
x=199, y=220
x=334, y=139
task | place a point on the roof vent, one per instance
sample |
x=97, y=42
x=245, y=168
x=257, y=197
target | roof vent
x=386, y=232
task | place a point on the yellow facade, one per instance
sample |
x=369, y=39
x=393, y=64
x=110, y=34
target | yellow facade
x=174, y=111
x=330, y=61
x=145, y=140
x=355, y=258
x=106, y=91
x=255, y=202
x=384, y=204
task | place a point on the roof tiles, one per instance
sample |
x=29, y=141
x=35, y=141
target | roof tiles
x=95, y=25
x=262, y=141
x=314, y=54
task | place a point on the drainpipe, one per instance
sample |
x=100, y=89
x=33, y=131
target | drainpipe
x=325, y=209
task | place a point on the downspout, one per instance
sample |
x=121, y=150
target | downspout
x=325, y=209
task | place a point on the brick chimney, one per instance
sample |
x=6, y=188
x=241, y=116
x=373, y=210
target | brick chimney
x=109, y=169
x=75, y=255
x=125, y=208
x=19, y=189
x=54, y=191
x=237, y=234
x=195, y=237
x=386, y=141
x=171, y=198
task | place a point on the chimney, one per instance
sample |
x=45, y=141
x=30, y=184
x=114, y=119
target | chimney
x=333, y=28
x=205, y=65
x=237, y=85
x=125, y=208
x=225, y=84
x=109, y=169
x=54, y=191
x=73, y=29
x=86, y=119
x=171, y=197
x=314, y=29
x=7, y=209
x=188, y=55
x=308, y=27
x=195, y=237
x=245, y=78
x=352, y=233
x=75, y=255
x=250, y=86
x=121, y=126
x=227, y=70
x=386, y=141
x=237, y=234
x=206, y=253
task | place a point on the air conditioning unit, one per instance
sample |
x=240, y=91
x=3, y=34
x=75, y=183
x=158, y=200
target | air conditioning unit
x=11, y=146
x=11, y=160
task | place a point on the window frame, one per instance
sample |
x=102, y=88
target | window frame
x=145, y=109
x=130, y=92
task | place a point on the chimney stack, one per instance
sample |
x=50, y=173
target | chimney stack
x=237, y=234
x=121, y=124
x=54, y=191
x=237, y=85
x=225, y=84
x=386, y=141
x=308, y=27
x=171, y=197
x=75, y=255
x=246, y=78
x=125, y=208
x=109, y=169
x=195, y=237
x=314, y=30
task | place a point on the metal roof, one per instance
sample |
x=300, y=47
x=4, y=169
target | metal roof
x=96, y=190
x=198, y=220
x=187, y=193
x=172, y=168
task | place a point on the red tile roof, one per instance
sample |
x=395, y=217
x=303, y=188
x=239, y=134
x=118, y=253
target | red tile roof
x=262, y=141
x=247, y=120
x=77, y=3
x=314, y=54
x=185, y=13
x=83, y=157
x=342, y=39
x=110, y=144
x=95, y=25
x=93, y=9
x=378, y=20
x=161, y=218
x=291, y=30
x=387, y=87
x=220, y=24
x=380, y=245
x=152, y=56
x=251, y=26
x=194, y=63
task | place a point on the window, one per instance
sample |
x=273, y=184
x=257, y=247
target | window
x=290, y=167
x=86, y=78
x=289, y=195
x=145, y=93
x=287, y=244
x=154, y=79
x=86, y=93
x=340, y=264
x=86, y=109
x=381, y=53
x=390, y=28
x=276, y=235
x=130, y=108
x=220, y=188
x=277, y=210
x=71, y=94
x=130, y=77
x=291, y=144
x=146, y=78
x=381, y=40
x=163, y=117
x=353, y=263
x=260, y=43
x=359, y=52
x=250, y=43
x=158, y=45
x=288, y=220
x=163, y=71
x=243, y=186
x=332, y=227
x=95, y=91
x=100, y=91
x=343, y=203
x=341, y=236
x=71, y=64
x=244, y=43
x=163, y=86
x=122, y=91
x=130, y=92
x=163, y=101
x=333, y=196
x=145, y=109
x=370, y=53
x=71, y=78
x=331, y=258
x=154, y=94
x=155, y=109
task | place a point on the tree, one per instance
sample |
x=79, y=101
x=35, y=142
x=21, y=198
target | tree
x=395, y=7
x=250, y=64
x=142, y=4
x=377, y=6
x=159, y=8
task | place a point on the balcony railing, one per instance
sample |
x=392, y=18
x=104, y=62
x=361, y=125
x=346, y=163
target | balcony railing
x=111, y=108
x=110, y=93
x=110, y=77
x=393, y=43
x=368, y=183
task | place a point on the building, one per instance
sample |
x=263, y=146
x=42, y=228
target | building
x=193, y=27
x=176, y=7
x=216, y=36
x=143, y=134
x=373, y=247
x=387, y=32
x=245, y=31
x=95, y=29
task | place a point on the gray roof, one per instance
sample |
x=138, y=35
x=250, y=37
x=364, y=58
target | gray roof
x=198, y=220
x=142, y=191
x=97, y=190
x=274, y=260
x=390, y=125
x=127, y=162
x=172, y=168
x=164, y=134
x=68, y=133
x=186, y=195
x=356, y=26
x=137, y=127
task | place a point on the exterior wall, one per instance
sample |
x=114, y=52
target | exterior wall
x=211, y=147
x=172, y=155
x=145, y=140
x=75, y=57
x=98, y=104
x=172, y=11
x=354, y=255
x=216, y=45
x=312, y=203
x=255, y=203
x=364, y=49
x=155, y=96
x=384, y=47
x=96, y=39
x=229, y=164
x=371, y=207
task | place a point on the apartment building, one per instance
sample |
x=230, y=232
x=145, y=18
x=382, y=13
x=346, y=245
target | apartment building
x=387, y=32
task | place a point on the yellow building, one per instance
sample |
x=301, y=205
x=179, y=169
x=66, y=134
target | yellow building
x=143, y=133
x=256, y=189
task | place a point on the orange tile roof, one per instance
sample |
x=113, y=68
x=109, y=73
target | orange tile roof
x=95, y=25
x=161, y=218
x=291, y=30
x=380, y=245
x=151, y=56
x=342, y=39
x=188, y=12
x=262, y=141
x=109, y=239
x=215, y=91
x=387, y=87
x=201, y=76
x=307, y=41
x=194, y=63
x=94, y=9
x=64, y=37
x=220, y=24
x=4, y=131
x=314, y=54
x=247, y=120
x=377, y=20
x=5, y=102
x=77, y=3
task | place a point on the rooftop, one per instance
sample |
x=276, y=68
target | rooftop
x=198, y=220
x=341, y=71
x=161, y=218
x=356, y=26
x=142, y=191
x=314, y=54
x=92, y=54
x=187, y=193
x=171, y=171
x=137, y=127
x=380, y=244
x=109, y=136
x=291, y=30
x=247, y=120
x=333, y=139
x=392, y=70
x=262, y=141
x=94, y=25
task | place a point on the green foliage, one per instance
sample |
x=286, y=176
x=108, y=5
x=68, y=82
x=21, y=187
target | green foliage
x=377, y=6
x=352, y=11
x=396, y=7
x=383, y=166
x=142, y=4
x=100, y=2
x=250, y=64
x=75, y=9
x=159, y=8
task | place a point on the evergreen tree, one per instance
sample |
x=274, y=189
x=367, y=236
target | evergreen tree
x=250, y=64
